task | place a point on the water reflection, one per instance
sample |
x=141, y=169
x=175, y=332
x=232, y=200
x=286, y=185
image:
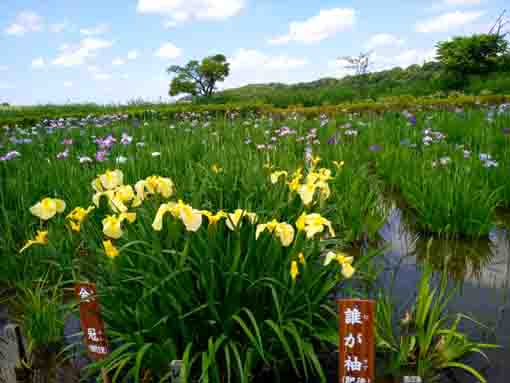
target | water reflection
x=484, y=261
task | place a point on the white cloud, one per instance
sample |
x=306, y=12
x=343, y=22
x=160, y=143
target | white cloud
x=96, y=30
x=68, y=84
x=339, y=68
x=448, y=21
x=124, y=76
x=4, y=85
x=184, y=10
x=93, y=69
x=253, y=66
x=26, y=21
x=132, y=55
x=383, y=40
x=102, y=76
x=58, y=27
x=118, y=61
x=253, y=59
x=168, y=51
x=3, y=68
x=77, y=54
x=38, y=63
x=461, y=2
x=317, y=28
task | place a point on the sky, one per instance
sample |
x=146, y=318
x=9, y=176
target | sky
x=115, y=51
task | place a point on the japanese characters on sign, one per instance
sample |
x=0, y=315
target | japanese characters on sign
x=357, y=344
x=91, y=322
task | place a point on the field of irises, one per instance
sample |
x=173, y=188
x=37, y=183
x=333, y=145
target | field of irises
x=221, y=241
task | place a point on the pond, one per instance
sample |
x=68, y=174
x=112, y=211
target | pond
x=481, y=266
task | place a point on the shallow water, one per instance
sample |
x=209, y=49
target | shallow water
x=481, y=266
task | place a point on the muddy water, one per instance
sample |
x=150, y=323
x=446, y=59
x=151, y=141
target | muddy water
x=481, y=266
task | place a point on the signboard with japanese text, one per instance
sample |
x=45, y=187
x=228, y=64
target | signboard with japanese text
x=91, y=322
x=357, y=341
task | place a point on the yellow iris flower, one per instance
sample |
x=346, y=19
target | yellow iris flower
x=313, y=224
x=77, y=216
x=40, y=239
x=338, y=164
x=191, y=218
x=111, y=179
x=294, y=270
x=118, y=198
x=109, y=249
x=234, y=219
x=47, y=208
x=214, y=218
x=275, y=176
x=343, y=260
x=216, y=169
x=283, y=231
x=302, y=259
x=154, y=185
x=306, y=193
x=112, y=224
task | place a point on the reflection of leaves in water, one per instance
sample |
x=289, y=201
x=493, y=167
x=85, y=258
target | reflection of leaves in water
x=461, y=258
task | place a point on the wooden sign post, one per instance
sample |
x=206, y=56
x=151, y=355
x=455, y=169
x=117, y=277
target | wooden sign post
x=92, y=324
x=357, y=341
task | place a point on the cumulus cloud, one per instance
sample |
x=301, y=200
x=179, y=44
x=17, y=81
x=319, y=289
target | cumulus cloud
x=68, y=84
x=383, y=40
x=132, y=55
x=4, y=85
x=102, y=76
x=448, y=21
x=96, y=30
x=340, y=68
x=118, y=61
x=253, y=66
x=3, y=68
x=38, y=63
x=25, y=22
x=168, y=51
x=73, y=55
x=58, y=27
x=184, y=10
x=317, y=28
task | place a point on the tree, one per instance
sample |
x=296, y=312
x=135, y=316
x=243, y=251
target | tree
x=358, y=63
x=478, y=54
x=199, y=78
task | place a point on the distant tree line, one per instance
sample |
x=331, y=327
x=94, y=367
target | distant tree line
x=478, y=64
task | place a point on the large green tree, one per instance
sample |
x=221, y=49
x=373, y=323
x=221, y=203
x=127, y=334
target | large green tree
x=199, y=78
x=473, y=55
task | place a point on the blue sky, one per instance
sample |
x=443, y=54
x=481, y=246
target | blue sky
x=117, y=50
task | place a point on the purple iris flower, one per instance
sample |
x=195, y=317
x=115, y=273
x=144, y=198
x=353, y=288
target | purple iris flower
x=375, y=148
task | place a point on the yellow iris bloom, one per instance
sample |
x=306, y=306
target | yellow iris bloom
x=216, y=169
x=191, y=218
x=302, y=259
x=47, y=208
x=111, y=179
x=234, y=219
x=214, y=218
x=306, y=193
x=343, y=260
x=294, y=270
x=112, y=224
x=109, y=249
x=275, y=176
x=154, y=185
x=283, y=231
x=77, y=216
x=312, y=224
x=40, y=239
x=338, y=164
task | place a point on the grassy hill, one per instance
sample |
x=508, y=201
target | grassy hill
x=416, y=80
